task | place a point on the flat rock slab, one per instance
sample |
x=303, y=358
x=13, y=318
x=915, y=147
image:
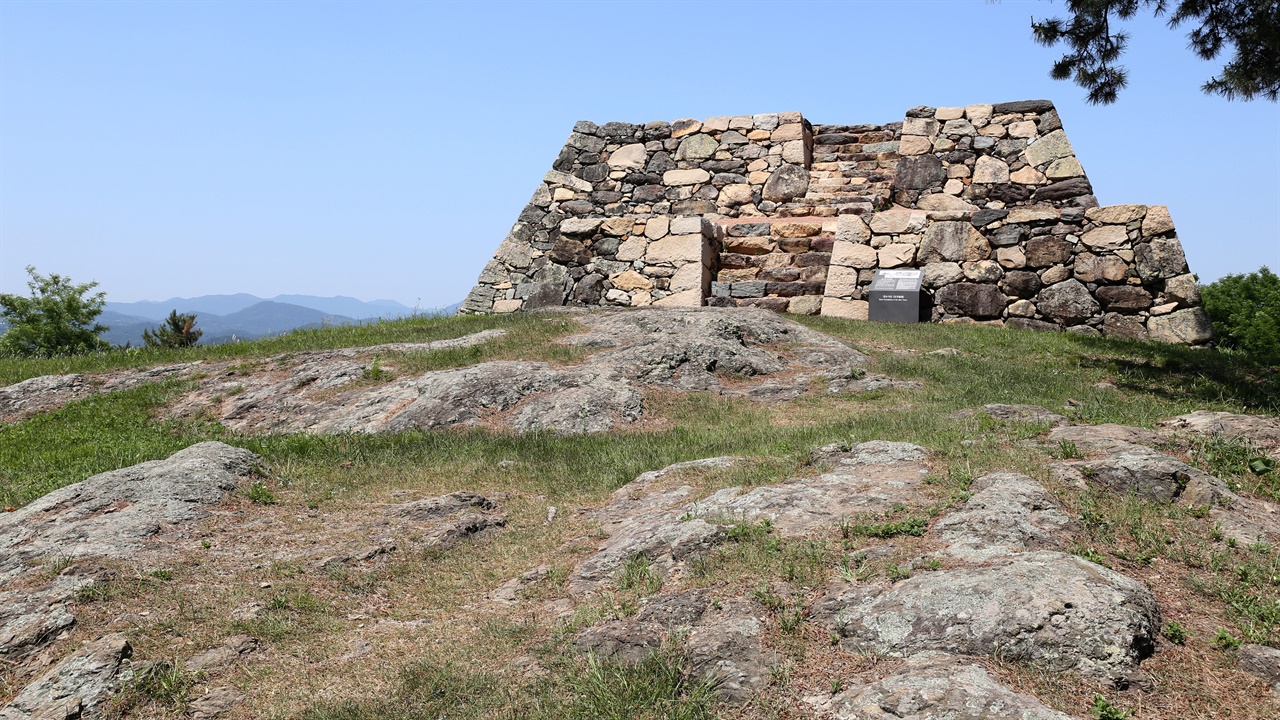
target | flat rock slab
x=1009, y=512
x=937, y=686
x=75, y=685
x=1261, y=431
x=120, y=513
x=1121, y=461
x=721, y=639
x=668, y=524
x=1044, y=606
x=771, y=358
x=25, y=399
x=1018, y=413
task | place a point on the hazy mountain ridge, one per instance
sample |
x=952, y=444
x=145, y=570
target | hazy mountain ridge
x=242, y=316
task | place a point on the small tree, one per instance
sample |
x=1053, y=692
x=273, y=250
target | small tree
x=1245, y=310
x=177, y=331
x=58, y=319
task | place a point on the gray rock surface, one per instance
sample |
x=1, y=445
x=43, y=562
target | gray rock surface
x=121, y=513
x=118, y=513
x=937, y=686
x=676, y=349
x=76, y=685
x=1045, y=606
x=22, y=400
x=1009, y=512
x=1261, y=431
x=1262, y=662
x=1120, y=460
x=667, y=525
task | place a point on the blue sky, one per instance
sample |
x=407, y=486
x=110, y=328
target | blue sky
x=382, y=150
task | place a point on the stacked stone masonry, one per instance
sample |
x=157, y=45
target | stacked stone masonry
x=990, y=201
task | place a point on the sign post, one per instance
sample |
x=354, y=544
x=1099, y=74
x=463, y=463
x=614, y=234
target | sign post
x=895, y=296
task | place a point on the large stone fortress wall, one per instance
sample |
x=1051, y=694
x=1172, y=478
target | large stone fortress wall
x=773, y=211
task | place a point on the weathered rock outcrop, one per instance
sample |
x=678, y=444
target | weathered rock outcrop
x=75, y=686
x=1119, y=459
x=1040, y=606
x=937, y=686
x=686, y=350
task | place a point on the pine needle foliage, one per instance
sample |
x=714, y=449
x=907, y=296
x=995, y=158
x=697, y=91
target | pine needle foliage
x=177, y=331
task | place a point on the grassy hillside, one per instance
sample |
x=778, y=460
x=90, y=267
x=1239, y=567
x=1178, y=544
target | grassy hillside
x=466, y=670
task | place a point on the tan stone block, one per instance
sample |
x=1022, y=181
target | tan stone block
x=631, y=280
x=790, y=116
x=851, y=228
x=940, y=201
x=842, y=282
x=759, y=135
x=688, y=298
x=1025, y=129
x=657, y=227
x=790, y=131
x=628, y=157
x=641, y=298
x=1011, y=257
x=1106, y=238
x=563, y=194
x=692, y=276
x=758, y=177
x=777, y=260
x=914, y=145
x=976, y=113
x=995, y=130
x=741, y=122
x=854, y=255
x=796, y=229
x=805, y=305
x=617, y=226
x=849, y=309
x=949, y=113
x=897, y=255
x=685, y=177
x=1115, y=214
x=738, y=274
x=990, y=170
x=507, y=306
x=758, y=165
x=1063, y=168
x=1022, y=308
x=1158, y=221
x=1028, y=176
x=953, y=187
x=795, y=152
x=716, y=124
x=748, y=245
x=632, y=249
x=734, y=195
x=1055, y=274
x=675, y=250
x=1032, y=215
x=896, y=222
x=958, y=171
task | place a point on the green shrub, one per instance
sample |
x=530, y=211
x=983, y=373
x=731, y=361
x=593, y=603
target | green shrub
x=1245, y=310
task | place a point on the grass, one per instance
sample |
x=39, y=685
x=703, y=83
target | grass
x=459, y=662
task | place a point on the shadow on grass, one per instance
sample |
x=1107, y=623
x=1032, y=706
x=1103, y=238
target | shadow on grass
x=1176, y=372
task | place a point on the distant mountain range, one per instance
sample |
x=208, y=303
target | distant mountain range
x=247, y=317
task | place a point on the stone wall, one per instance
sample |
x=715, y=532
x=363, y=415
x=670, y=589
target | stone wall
x=773, y=211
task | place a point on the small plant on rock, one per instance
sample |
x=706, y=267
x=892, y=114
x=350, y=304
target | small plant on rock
x=1175, y=633
x=1104, y=710
x=1225, y=640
